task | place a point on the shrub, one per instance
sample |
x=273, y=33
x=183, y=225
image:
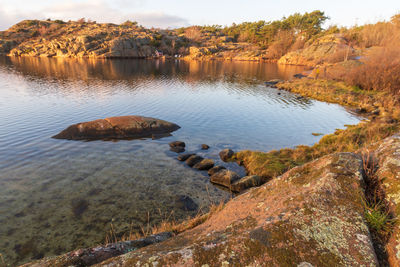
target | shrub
x=282, y=44
x=380, y=71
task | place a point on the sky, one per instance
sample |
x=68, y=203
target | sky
x=180, y=13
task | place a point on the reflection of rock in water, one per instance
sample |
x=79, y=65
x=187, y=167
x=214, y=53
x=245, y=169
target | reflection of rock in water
x=141, y=70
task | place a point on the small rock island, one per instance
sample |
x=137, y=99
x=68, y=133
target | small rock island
x=123, y=127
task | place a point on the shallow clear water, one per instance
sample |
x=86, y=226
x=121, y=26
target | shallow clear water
x=58, y=195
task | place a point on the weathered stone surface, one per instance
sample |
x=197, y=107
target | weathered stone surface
x=310, y=216
x=183, y=157
x=224, y=177
x=215, y=169
x=388, y=172
x=205, y=164
x=192, y=160
x=90, y=256
x=117, y=128
x=226, y=154
x=246, y=182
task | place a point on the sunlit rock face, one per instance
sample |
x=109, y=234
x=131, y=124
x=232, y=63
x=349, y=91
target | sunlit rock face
x=122, y=127
x=388, y=155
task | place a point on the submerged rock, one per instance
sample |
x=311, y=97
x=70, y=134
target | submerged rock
x=205, y=164
x=226, y=154
x=123, y=127
x=225, y=178
x=215, y=169
x=185, y=203
x=177, y=146
x=192, y=160
x=177, y=149
x=205, y=147
x=183, y=157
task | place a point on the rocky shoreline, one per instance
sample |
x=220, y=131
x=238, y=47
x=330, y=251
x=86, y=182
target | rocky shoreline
x=313, y=213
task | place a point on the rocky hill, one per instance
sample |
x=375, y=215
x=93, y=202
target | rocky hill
x=80, y=39
x=86, y=39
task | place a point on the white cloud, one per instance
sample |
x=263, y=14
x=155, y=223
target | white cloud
x=99, y=11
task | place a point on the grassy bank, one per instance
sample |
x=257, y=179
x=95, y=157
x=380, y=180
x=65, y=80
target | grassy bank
x=380, y=108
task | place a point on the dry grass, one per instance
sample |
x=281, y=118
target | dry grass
x=380, y=71
x=352, y=139
x=282, y=44
x=168, y=224
x=2, y=262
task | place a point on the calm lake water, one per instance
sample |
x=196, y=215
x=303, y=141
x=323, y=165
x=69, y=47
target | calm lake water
x=58, y=195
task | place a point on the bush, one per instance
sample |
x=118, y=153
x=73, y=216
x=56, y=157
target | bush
x=380, y=71
x=284, y=41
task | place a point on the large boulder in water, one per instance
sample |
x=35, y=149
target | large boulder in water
x=123, y=127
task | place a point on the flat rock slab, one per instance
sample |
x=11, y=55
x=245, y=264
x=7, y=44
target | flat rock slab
x=123, y=127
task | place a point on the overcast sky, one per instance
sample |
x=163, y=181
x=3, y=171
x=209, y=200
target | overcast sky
x=177, y=13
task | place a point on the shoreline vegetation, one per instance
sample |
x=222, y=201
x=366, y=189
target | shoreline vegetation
x=331, y=204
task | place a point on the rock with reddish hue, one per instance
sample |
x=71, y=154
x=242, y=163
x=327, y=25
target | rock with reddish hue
x=124, y=127
x=246, y=182
x=311, y=216
x=215, y=169
x=388, y=155
x=224, y=177
x=193, y=160
x=226, y=154
x=205, y=164
x=183, y=157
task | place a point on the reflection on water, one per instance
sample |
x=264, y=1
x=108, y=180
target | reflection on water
x=58, y=195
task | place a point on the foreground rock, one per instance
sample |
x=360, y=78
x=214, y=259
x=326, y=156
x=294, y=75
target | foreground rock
x=388, y=155
x=123, y=127
x=310, y=216
x=90, y=256
x=225, y=178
